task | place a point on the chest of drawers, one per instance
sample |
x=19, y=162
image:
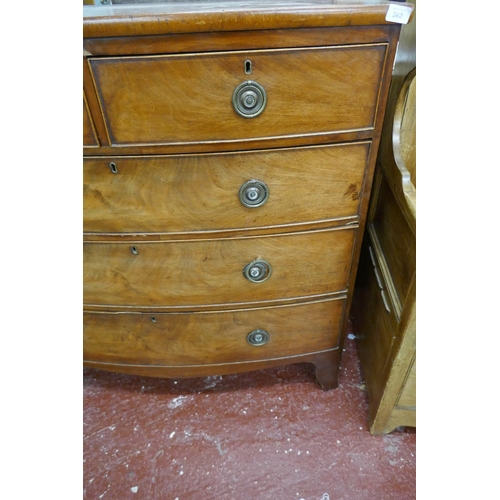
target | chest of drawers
x=229, y=151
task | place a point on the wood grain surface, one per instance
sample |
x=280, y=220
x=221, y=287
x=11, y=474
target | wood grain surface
x=200, y=192
x=166, y=234
x=89, y=135
x=214, y=337
x=188, y=98
x=211, y=271
x=391, y=233
x=192, y=17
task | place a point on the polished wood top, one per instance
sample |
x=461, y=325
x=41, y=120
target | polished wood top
x=204, y=16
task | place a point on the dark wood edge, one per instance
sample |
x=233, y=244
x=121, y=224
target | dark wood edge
x=94, y=109
x=92, y=125
x=183, y=43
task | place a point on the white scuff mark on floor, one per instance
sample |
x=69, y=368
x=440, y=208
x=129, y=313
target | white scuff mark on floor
x=176, y=402
x=134, y=489
x=211, y=439
x=110, y=427
x=216, y=441
x=172, y=434
x=219, y=449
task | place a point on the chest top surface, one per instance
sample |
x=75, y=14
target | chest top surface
x=133, y=17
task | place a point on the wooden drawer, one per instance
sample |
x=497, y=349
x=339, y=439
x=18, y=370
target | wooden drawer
x=214, y=337
x=201, y=192
x=187, y=98
x=211, y=271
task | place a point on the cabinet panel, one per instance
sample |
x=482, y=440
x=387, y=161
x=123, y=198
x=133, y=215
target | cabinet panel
x=396, y=239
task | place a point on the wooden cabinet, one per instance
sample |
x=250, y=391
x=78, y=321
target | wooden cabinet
x=227, y=172
x=385, y=294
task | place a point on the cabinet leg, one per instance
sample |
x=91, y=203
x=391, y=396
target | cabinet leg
x=327, y=367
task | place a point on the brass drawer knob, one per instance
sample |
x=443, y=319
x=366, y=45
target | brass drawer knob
x=258, y=337
x=249, y=99
x=253, y=193
x=257, y=271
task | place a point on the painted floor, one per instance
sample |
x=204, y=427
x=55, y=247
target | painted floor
x=267, y=435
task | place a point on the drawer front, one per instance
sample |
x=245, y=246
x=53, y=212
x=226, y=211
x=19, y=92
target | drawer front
x=201, y=192
x=215, y=337
x=212, y=271
x=150, y=100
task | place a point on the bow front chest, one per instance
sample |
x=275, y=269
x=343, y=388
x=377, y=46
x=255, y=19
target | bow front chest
x=229, y=150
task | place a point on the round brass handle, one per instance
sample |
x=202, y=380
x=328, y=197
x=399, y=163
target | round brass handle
x=249, y=99
x=253, y=193
x=257, y=271
x=258, y=337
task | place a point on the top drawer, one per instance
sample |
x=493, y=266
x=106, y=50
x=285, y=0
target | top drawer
x=176, y=99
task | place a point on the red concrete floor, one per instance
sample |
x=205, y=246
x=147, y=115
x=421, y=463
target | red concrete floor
x=266, y=435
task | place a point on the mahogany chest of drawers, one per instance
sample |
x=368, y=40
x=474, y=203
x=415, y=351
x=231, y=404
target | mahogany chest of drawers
x=229, y=151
